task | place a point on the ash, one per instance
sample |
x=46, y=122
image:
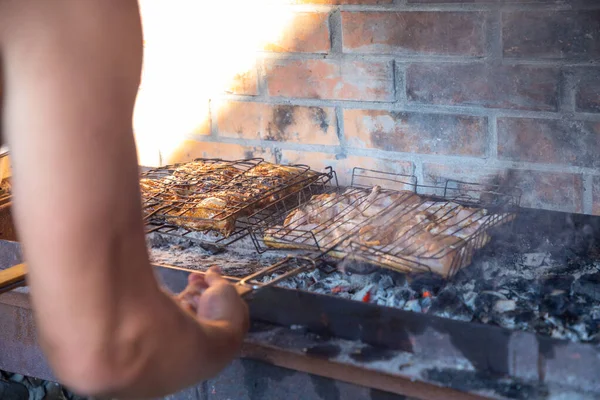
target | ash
x=237, y=260
x=538, y=277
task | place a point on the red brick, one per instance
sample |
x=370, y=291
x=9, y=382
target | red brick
x=478, y=1
x=244, y=83
x=331, y=79
x=192, y=149
x=444, y=33
x=517, y=87
x=542, y=190
x=285, y=123
x=549, y=141
x=587, y=96
x=343, y=167
x=341, y=1
x=305, y=33
x=596, y=196
x=415, y=132
x=551, y=34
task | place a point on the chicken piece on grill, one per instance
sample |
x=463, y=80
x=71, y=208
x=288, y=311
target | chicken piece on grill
x=211, y=195
x=207, y=214
x=398, y=230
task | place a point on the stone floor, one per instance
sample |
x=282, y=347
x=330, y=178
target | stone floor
x=19, y=387
x=241, y=380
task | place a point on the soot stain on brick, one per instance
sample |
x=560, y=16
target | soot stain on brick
x=319, y=116
x=282, y=118
x=386, y=141
x=325, y=388
x=277, y=154
x=472, y=380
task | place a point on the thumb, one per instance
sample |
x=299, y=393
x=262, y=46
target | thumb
x=213, y=276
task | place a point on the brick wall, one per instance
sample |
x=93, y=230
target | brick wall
x=490, y=91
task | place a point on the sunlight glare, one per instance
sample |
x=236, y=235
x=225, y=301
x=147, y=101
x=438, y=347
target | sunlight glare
x=193, y=49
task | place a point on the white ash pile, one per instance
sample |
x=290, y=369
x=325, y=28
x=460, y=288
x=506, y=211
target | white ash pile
x=237, y=260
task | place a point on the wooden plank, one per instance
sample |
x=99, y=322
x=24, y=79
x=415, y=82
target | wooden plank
x=12, y=277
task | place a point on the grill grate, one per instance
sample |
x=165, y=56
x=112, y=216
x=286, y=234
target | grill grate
x=392, y=221
x=214, y=202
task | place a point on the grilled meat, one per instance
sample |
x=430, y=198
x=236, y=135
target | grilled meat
x=394, y=229
x=212, y=195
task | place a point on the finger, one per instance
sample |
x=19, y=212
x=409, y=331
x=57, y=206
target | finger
x=213, y=276
x=187, y=303
x=196, y=279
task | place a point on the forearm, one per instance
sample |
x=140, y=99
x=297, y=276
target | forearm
x=125, y=337
x=177, y=351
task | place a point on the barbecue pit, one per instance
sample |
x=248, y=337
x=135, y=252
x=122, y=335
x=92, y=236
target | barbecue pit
x=473, y=332
x=423, y=96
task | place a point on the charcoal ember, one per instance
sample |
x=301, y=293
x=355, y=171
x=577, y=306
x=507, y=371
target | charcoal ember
x=425, y=304
x=427, y=283
x=556, y=283
x=399, y=297
x=53, y=391
x=592, y=326
x=356, y=267
x=534, y=259
x=524, y=317
x=319, y=287
x=588, y=286
x=386, y=282
x=17, y=378
x=502, y=306
x=357, y=282
x=10, y=390
x=469, y=299
x=316, y=275
x=364, y=293
x=37, y=393
x=449, y=304
x=381, y=296
x=485, y=302
x=413, y=305
x=554, y=304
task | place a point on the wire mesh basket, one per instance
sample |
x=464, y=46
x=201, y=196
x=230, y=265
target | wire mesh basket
x=214, y=202
x=392, y=221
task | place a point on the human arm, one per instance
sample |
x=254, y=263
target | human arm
x=71, y=73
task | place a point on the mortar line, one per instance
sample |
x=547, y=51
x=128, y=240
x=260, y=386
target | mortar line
x=400, y=83
x=418, y=170
x=335, y=33
x=410, y=107
x=212, y=116
x=588, y=194
x=551, y=62
x=494, y=35
x=567, y=89
x=261, y=77
x=492, y=149
x=425, y=58
x=451, y=160
x=375, y=57
x=341, y=133
x=402, y=5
